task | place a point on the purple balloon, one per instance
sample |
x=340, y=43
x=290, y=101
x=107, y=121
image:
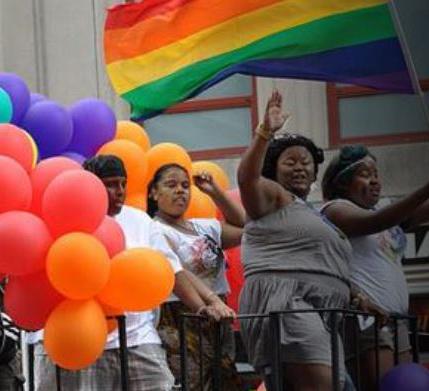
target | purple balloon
x=51, y=127
x=19, y=95
x=77, y=157
x=94, y=124
x=406, y=377
x=36, y=98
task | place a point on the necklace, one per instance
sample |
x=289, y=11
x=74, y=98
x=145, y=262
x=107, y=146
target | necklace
x=187, y=226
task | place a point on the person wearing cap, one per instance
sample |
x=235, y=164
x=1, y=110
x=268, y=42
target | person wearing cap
x=351, y=188
x=293, y=259
x=147, y=364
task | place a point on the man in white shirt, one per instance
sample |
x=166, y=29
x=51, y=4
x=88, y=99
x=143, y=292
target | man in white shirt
x=148, y=369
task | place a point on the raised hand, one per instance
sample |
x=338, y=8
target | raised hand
x=275, y=118
x=204, y=181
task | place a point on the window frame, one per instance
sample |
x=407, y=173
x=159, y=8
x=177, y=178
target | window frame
x=334, y=93
x=193, y=106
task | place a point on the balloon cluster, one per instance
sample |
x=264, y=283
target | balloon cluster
x=76, y=132
x=89, y=127
x=64, y=259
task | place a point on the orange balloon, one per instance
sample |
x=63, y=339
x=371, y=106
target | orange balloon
x=110, y=313
x=218, y=174
x=75, y=334
x=78, y=265
x=200, y=205
x=134, y=159
x=166, y=153
x=140, y=280
x=131, y=131
x=137, y=200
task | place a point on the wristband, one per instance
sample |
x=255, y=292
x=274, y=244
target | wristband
x=211, y=295
x=263, y=132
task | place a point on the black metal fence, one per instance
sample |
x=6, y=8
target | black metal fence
x=337, y=319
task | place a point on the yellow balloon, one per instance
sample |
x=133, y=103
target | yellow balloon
x=218, y=174
x=131, y=131
x=34, y=148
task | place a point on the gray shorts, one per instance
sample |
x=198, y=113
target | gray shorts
x=305, y=337
x=147, y=368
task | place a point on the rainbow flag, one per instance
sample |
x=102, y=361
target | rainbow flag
x=161, y=52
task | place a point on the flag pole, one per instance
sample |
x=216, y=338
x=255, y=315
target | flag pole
x=408, y=59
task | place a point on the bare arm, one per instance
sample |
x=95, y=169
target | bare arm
x=259, y=195
x=232, y=211
x=210, y=298
x=418, y=217
x=232, y=228
x=356, y=221
x=185, y=290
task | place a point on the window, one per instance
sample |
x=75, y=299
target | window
x=363, y=115
x=216, y=124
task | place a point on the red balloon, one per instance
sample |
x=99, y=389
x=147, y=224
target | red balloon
x=15, y=186
x=43, y=175
x=30, y=299
x=235, y=195
x=16, y=143
x=111, y=235
x=235, y=277
x=24, y=243
x=75, y=200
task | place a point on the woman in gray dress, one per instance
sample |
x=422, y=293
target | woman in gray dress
x=292, y=257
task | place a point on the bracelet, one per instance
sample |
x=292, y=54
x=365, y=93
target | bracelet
x=211, y=295
x=265, y=133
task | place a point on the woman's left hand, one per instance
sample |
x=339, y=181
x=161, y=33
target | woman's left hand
x=366, y=305
x=204, y=181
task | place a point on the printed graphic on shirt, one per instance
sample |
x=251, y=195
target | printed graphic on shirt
x=392, y=243
x=203, y=257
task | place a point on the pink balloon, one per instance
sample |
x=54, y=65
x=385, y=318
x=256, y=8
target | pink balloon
x=43, y=175
x=111, y=235
x=30, y=299
x=75, y=200
x=15, y=186
x=24, y=243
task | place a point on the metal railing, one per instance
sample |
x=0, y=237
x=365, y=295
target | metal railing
x=336, y=318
